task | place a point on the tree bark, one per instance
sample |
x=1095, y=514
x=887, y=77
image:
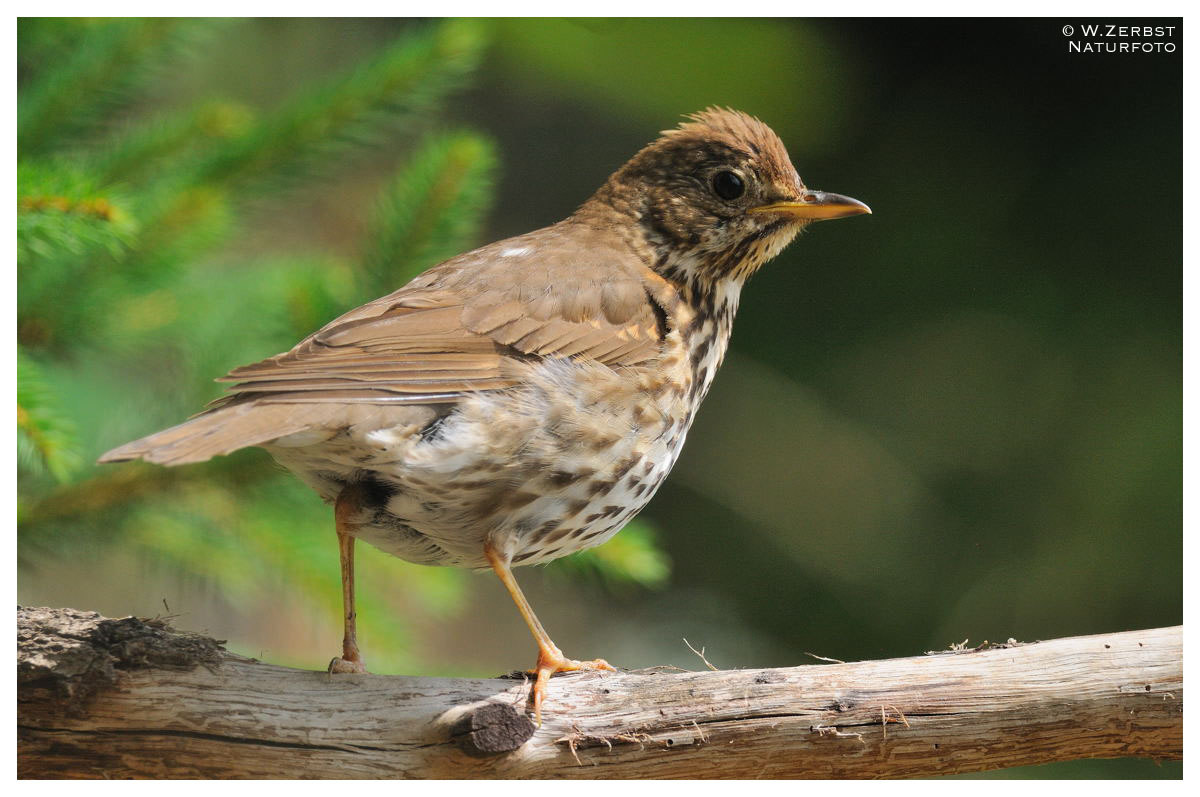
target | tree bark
x=133, y=698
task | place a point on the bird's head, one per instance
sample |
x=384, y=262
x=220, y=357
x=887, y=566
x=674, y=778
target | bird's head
x=718, y=196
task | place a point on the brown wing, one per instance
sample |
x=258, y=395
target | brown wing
x=452, y=330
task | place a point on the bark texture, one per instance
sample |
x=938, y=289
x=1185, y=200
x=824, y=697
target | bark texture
x=109, y=698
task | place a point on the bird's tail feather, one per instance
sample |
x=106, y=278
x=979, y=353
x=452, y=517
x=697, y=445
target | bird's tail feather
x=221, y=431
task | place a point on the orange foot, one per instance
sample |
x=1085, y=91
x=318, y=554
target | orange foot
x=551, y=661
x=339, y=665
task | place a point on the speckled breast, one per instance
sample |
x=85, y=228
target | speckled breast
x=554, y=466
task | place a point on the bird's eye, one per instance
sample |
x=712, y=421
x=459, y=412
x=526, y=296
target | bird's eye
x=728, y=185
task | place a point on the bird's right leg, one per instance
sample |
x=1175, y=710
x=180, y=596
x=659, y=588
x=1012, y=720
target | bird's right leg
x=347, y=505
x=550, y=658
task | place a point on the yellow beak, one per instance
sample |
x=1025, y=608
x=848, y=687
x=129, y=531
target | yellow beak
x=816, y=206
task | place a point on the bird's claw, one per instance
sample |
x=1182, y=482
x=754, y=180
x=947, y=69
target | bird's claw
x=551, y=662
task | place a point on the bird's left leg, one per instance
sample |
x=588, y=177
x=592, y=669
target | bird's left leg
x=550, y=659
x=347, y=504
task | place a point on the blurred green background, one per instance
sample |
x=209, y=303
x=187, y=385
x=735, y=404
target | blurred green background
x=959, y=418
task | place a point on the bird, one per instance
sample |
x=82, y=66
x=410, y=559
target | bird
x=524, y=400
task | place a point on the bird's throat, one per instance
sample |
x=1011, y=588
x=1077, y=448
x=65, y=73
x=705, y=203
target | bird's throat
x=706, y=323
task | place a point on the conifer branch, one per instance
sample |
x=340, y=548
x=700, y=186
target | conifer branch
x=432, y=210
x=402, y=84
x=106, y=65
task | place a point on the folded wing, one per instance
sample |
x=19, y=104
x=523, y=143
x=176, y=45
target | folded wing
x=448, y=333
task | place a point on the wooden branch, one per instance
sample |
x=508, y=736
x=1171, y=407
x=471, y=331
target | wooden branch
x=132, y=698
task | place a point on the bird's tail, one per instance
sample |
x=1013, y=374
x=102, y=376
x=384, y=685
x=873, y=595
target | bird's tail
x=221, y=431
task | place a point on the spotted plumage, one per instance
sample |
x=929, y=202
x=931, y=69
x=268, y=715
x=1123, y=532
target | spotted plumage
x=523, y=401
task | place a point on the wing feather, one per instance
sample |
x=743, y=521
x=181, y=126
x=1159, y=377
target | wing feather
x=453, y=329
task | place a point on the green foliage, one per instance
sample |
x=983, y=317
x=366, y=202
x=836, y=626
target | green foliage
x=65, y=212
x=432, y=208
x=139, y=148
x=107, y=62
x=182, y=177
x=46, y=441
x=633, y=557
x=400, y=86
x=68, y=224
x=143, y=273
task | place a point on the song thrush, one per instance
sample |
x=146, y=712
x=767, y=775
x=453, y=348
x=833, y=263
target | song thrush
x=523, y=401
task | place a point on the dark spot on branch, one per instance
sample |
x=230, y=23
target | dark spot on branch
x=492, y=729
x=768, y=678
